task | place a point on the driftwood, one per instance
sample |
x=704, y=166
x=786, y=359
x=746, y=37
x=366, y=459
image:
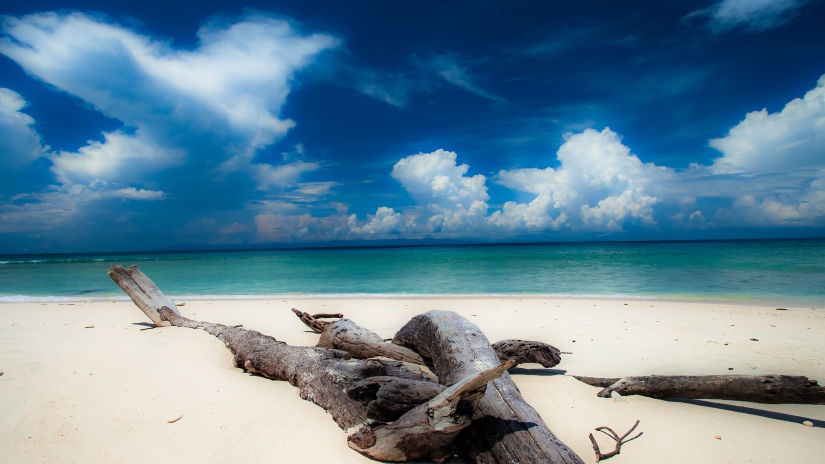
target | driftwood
x=505, y=428
x=333, y=380
x=347, y=336
x=362, y=343
x=527, y=351
x=313, y=322
x=429, y=427
x=388, y=398
x=146, y=295
x=615, y=436
x=772, y=389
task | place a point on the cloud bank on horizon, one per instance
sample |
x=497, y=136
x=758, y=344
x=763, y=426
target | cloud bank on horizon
x=206, y=147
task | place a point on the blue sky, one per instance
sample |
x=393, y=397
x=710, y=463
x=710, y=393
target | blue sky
x=158, y=125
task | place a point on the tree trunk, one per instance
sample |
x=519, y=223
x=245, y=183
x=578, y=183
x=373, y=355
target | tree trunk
x=146, y=295
x=754, y=388
x=505, y=428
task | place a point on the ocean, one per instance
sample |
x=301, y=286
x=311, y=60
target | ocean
x=791, y=271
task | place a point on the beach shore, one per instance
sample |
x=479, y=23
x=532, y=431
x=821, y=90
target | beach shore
x=82, y=382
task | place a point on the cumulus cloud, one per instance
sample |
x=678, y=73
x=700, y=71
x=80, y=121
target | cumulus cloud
x=383, y=222
x=20, y=144
x=751, y=15
x=599, y=183
x=436, y=179
x=771, y=172
x=763, y=142
x=773, y=164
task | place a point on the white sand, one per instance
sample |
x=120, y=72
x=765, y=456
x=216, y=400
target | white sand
x=104, y=394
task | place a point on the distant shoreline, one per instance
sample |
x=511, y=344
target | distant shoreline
x=393, y=244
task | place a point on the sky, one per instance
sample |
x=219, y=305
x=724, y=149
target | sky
x=158, y=125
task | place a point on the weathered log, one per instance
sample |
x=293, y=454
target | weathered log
x=602, y=382
x=146, y=295
x=772, y=389
x=429, y=426
x=505, y=428
x=328, y=316
x=327, y=377
x=348, y=336
x=314, y=323
x=527, y=351
x=362, y=343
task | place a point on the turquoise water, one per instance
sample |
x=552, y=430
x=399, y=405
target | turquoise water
x=775, y=270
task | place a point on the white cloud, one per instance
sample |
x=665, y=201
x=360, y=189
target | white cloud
x=316, y=189
x=383, y=222
x=20, y=144
x=452, y=202
x=751, y=15
x=191, y=117
x=598, y=184
x=436, y=179
x=613, y=210
x=763, y=142
x=119, y=156
x=771, y=173
x=220, y=100
x=131, y=193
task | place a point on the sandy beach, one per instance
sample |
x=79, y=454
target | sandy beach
x=82, y=382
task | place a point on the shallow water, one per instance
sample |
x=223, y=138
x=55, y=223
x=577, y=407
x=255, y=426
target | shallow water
x=776, y=270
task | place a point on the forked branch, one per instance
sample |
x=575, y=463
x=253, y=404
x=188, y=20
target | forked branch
x=615, y=436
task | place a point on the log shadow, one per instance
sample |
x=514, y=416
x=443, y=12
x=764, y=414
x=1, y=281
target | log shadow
x=145, y=324
x=541, y=371
x=749, y=410
x=494, y=430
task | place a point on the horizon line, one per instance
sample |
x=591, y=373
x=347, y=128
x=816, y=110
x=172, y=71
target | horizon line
x=433, y=244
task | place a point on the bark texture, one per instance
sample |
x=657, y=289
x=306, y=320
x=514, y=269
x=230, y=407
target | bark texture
x=772, y=389
x=428, y=427
x=527, y=351
x=348, y=336
x=505, y=428
x=388, y=398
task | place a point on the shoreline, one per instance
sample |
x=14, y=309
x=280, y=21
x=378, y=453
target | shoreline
x=84, y=382
x=755, y=301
